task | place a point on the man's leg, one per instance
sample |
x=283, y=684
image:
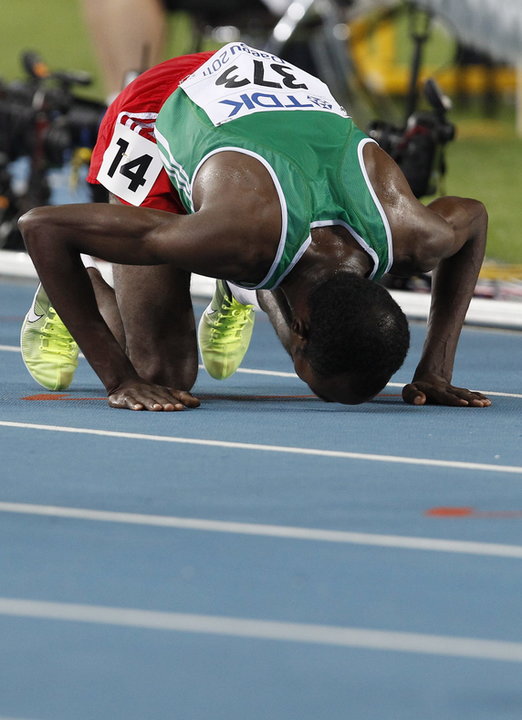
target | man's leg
x=107, y=305
x=150, y=313
x=158, y=320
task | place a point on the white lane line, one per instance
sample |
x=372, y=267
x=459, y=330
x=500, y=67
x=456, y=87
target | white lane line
x=277, y=373
x=273, y=373
x=260, y=530
x=454, y=464
x=476, y=648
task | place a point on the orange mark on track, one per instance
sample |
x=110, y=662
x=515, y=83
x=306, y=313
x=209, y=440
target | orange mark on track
x=48, y=396
x=450, y=512
x=469, y=512
x=67, y=396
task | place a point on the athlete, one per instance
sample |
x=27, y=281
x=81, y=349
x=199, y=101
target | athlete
x=282, y=194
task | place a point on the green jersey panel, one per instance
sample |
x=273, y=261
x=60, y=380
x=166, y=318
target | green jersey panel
x=315, y=161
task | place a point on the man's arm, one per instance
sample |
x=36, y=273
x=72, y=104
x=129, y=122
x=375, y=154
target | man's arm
x=449, y=238
x=54, y=238
x=461, y=252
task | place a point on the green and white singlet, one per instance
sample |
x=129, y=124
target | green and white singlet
x=252, y=102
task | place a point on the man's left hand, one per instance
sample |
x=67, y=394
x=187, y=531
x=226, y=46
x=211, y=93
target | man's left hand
x=435, y=390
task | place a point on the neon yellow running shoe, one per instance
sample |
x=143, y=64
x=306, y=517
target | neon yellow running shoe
x=224, y=332
x=48, y=350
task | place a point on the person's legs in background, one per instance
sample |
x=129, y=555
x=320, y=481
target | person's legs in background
x=127, y=35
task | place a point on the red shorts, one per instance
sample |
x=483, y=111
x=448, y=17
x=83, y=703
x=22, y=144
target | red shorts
x=135, y=110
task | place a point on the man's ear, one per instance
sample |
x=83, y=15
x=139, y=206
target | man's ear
x=301, y=329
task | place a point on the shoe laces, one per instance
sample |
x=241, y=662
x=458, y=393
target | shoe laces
x=55, y=337
x=228, y=325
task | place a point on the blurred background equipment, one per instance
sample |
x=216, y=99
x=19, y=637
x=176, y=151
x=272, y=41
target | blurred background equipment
x=487, y=25
x=42, y=120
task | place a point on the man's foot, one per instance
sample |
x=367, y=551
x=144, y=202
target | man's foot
x=224, y=332
x=48, y=349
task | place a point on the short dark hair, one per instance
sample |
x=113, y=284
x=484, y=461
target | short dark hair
x=356, y=327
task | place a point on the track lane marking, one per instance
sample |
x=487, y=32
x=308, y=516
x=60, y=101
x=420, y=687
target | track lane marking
x=306, y=633
x=263, y=530
x=454, y=464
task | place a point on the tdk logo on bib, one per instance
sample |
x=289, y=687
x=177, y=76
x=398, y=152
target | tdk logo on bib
x=257, y=102
x=239, y=80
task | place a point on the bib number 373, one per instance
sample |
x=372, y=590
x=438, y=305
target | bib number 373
x=130, y=166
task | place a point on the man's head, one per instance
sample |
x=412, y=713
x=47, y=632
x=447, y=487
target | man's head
x=356, y=337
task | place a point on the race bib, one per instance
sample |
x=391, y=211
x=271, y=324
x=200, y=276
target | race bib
x=239, y=80
x=130, y=165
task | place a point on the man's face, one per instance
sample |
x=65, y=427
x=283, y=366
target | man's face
x=341, y=388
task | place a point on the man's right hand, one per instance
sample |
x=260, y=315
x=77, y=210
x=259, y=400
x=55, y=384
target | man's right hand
x=140, y=395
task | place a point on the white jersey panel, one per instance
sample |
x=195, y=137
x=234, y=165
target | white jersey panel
x=238, y=81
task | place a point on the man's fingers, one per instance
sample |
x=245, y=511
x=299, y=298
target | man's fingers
x=127, y=402
x=124, y=402
x=478, y=400
x=153, y=398
x=468, y=397
x=412, y=395
x=187, y=399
